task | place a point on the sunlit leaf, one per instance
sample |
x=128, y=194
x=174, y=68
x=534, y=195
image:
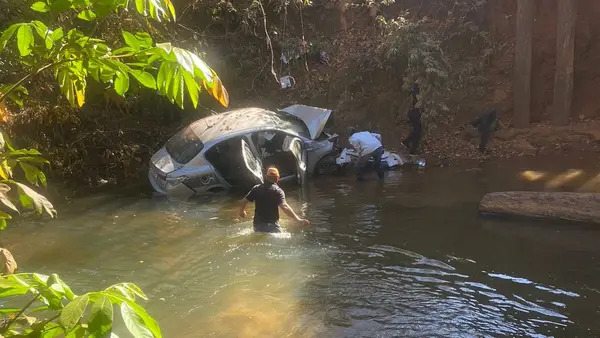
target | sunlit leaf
x=134, y=322
x=31, y=172
x=192, y=88
x=25, y=40
x=8, y=33
x=122, y=83
x=131, y=40
x=145, y=78
x=4, y=189
x=57, y=34
x=31, y=199
x=72, y=313
x=87, y=15
x=40, y=6
x=52, y=330
x=3, y=217
x=101, y=318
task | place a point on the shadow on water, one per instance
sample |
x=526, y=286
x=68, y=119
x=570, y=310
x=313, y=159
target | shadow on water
x=408, y=257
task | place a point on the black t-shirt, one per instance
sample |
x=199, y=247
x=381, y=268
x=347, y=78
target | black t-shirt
x=268, y=197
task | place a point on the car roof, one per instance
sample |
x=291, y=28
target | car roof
x=236, y=121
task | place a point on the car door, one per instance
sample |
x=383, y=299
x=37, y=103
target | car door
x=252, y=162
x=296, y=147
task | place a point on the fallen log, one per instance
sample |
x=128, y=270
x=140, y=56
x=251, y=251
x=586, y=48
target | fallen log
x=568, y=206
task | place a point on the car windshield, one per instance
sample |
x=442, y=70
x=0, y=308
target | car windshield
x=184, y=146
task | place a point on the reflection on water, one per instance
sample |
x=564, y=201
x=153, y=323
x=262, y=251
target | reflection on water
x=409, y=257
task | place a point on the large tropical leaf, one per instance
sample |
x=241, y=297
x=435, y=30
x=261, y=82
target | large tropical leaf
x=4, y=189
x=31, y=199
x=134, y=322
x=72, y=313
x=101, y=318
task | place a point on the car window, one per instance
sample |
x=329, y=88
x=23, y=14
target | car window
x=184, y=146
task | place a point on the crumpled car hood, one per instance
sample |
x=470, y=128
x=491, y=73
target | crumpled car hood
x=314, y=118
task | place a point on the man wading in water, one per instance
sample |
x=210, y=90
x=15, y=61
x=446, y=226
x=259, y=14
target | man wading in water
x=268, y=198
x=368, y=145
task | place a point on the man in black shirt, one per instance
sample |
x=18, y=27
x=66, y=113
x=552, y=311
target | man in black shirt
x=268, y=198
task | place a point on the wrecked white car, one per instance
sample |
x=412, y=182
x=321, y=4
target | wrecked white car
x=232, y=150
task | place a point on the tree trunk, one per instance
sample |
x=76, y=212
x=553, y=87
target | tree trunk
x=342, y=12
x=522, y=85
x=565, y=54
x=577, y=207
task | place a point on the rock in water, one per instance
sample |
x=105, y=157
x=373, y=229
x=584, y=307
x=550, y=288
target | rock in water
x=577, y=207
x=8, y=265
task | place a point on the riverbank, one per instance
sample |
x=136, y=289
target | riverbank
x=540, y=139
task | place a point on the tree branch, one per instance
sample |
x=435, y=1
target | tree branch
x=14, y=319
x=3, y=96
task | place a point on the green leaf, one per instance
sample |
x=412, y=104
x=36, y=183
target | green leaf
x=4, y=189
x=72, y=313
x=71, y=85
x=134, y=322
x=31, y=172
x=77, y=332
x=140, y=6
x=145, y=39
x=52, y=330
x=131, y=40
x=40, y=6
x=192, y=88
x=57, y=34
x=122, y=83
x=8, y=33
x=11, y=285
x=173, y=89
x=100, y=324
x=31, y=199
x=145, y=78
x=87, y=15
x=25, y=40
x=162, y=77
x=60, y=5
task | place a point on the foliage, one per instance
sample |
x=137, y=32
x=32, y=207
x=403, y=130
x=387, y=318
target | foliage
x=445, y=56
x=73, y=57
x=14, y=195
x=52, y=310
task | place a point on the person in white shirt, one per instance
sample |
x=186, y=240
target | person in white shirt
x=368, y=145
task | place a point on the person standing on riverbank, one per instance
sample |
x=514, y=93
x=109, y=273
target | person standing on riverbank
x=486, y=123
x=368, y=146
x=268, y=198
x=413, y=139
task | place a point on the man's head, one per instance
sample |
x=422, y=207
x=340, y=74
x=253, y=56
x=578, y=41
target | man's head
x=272, y=175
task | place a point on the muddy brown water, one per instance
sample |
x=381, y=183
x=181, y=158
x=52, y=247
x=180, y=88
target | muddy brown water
x=411, y=257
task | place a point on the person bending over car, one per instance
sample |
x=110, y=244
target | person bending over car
x=367, y=145
x=268, y=198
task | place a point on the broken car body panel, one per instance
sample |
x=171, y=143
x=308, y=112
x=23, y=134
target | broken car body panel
x=314, y=118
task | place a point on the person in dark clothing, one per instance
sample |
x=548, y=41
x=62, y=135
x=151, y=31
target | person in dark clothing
x=415, y=90
x=268, y=198
x=486, y=123
x=413, y=139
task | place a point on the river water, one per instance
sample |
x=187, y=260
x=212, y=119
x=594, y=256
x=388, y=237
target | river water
x=410, y=257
